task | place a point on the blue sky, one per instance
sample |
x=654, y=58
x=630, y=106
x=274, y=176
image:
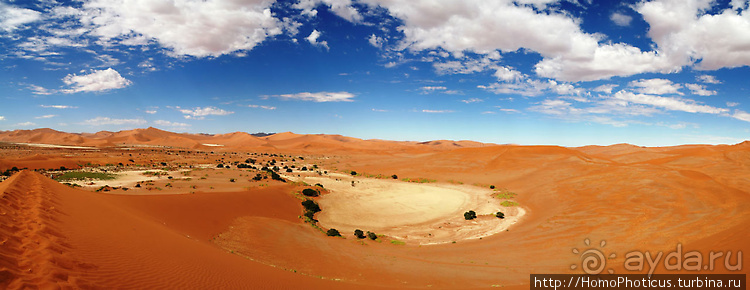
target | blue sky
x=571, y=73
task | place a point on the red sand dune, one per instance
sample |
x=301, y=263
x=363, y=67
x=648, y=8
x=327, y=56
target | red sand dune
x=55, y=236
x=635, y=198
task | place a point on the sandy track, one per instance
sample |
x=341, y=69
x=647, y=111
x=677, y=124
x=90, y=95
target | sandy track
x=413, y=212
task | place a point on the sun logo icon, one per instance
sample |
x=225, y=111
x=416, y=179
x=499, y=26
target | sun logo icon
x=592, y=260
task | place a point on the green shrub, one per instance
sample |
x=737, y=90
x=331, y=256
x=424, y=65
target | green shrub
x=359, y=234
x=394, y=176
x=333, y=233
x=311, y=205
x=310, y=192
x=509, y=203
x=354, y=173
x=470, y=215
x=372, y=235
x=500, y=215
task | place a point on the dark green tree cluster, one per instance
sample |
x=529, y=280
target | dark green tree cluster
x=333, y=233
x=310, y=192
x=500, y=215
x=311, y=207
x=470, y=215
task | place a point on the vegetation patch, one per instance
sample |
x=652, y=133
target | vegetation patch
x=397, y=242
x=505, y=194
x=509, y=203
x=80, y=175
x=419, y=180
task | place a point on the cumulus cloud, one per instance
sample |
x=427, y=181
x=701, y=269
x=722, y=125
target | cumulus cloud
x=171, y=124
x=95, y=81
x=2, y=118
x=45, y=117
x=375, y=40
x=58, y=106
x=689, y=34
x=12, y=18
x=700, y=90
x=569, y=54
x=320, y=97
x=656, y=86
x=199, y=113
x=620, y=19
x=313, y=39
x=709, y=79
x=196, y=28
x=100, y=121
x=605, y=88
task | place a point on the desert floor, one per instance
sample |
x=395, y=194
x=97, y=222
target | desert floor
x=198, y=226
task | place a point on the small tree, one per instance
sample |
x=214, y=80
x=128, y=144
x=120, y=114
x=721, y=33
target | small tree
x=500, y=215
x=470, y=215
x=333, y=233
x=359, y=234
x=354, y=173
x=394, y=176
x=310, y=192
x=372, y=235
x=492, y=187
x=311, y=205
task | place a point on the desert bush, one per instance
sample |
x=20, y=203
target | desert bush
x=394, y=176
x=311, y=205
x=354, y=173
x=470, y=215
x=232, y=180
x=310, y=192
x=500, y=215
x=220, y=165
x=372, y=236
x=359, y=234
x=333, y=233
x=258, y=177
x=492, y=187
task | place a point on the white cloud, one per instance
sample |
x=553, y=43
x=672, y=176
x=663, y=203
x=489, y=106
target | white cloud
x=201, y=113
x=38, y=90
x=472, y=100
x=569, y=54
x=379, y=110
x=100, y=121
x=700, y=90
x=668, y=103
x=732, y=104
x=195, y=28
x=437, y=111
x=262, y=107
x=376, y=41
x=741, y=115
x=12, y=18
x=620, y=19
x=95, y=81
x=150, y=112
x=313, y=39
x=689, y=35
x=58, y=106
x=170, y=124
x=24, y=124
x=320, y=97
x=605, y=88
x=429, y=89
x=656, y=86
x=2, y=118
x=709, y=79
x=45, y=117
